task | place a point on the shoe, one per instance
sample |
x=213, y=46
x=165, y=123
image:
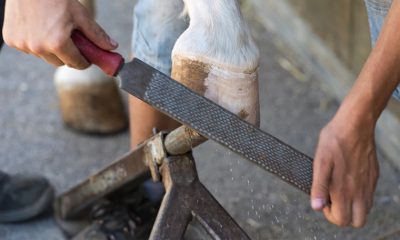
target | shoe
x=117, y=221
x=141, y=199
x=23, y=197
x=125, y=215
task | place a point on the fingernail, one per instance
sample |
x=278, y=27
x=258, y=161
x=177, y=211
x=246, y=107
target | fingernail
x=113, y=42
x=318, y=203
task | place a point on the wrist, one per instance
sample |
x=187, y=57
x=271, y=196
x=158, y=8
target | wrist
x=369, y=95
x=356, y=115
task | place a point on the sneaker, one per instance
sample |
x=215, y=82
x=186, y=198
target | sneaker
x=23, y=197
x=140, y=199
x=117, y=221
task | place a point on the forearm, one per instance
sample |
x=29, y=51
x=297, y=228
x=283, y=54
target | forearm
x=345, y=168
x=379, y=76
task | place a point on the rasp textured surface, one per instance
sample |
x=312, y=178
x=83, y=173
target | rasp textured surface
x=216, y=123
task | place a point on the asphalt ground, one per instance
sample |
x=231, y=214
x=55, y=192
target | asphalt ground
x=295, y=106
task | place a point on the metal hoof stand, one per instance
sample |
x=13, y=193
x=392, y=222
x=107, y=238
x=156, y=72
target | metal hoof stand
x=168, y=158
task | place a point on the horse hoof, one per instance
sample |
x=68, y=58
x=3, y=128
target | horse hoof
x=90, y=101
x=233, y=88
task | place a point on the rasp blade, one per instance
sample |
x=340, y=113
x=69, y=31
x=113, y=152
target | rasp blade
x=216, y=123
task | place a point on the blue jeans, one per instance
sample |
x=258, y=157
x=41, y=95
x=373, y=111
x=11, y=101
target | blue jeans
x=377, y=11
x=157, y=26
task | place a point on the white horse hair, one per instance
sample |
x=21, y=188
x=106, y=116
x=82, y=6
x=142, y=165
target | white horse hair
x=218, y=33
x=218, y=41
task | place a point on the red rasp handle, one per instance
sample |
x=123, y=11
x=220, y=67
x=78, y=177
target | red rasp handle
x=109, y=62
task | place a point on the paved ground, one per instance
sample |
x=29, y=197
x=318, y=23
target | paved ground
x=295, y=106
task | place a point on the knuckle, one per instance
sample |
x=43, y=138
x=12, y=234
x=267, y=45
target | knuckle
x=36, y=48
x=342, y=222
x=21, y=46
x=341, y=219
x=98, y=30
x=55, y=46
x=56, y=43
x=69, y=65
x=11, y=42
x=56, y=64
x=320, y=188
x=17, y=45
x=8, y=40
x=81, y=65
x=100, y=33
x=359, y=224
x=52, y=62
x=83, y=15
x=324, y=162
x=7, y=35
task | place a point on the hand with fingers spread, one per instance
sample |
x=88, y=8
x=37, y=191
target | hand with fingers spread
x=43, y=28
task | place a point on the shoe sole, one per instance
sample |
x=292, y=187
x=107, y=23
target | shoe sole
x=71, y=227
x=31, y=211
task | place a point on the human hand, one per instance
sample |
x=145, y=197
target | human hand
x=345, y=171
x=43, y=28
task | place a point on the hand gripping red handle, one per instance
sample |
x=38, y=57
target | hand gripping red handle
x=109, y=62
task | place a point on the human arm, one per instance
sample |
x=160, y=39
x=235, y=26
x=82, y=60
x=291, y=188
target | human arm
x=345, y=165
x=43, y=28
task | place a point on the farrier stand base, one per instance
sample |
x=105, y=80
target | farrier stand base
x=186, y=198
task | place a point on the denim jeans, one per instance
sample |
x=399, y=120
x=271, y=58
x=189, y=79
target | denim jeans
x=377, y=11
x=157, y=26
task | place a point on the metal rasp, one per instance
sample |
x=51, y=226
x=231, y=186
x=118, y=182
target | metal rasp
x=204, y=116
